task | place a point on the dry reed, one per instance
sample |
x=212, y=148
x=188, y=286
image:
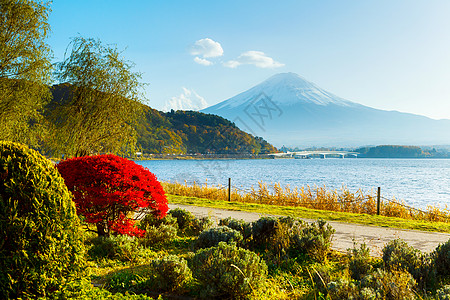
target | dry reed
x=342, y=200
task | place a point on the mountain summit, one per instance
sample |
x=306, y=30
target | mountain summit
x=286, y=109
x=287, y=89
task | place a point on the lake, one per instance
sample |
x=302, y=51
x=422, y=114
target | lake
x=419, y=182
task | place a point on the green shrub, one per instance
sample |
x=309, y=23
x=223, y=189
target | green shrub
x=158, y=236
x=313, y=239
x=188, y=224
x=342, y=289
x=243, y=227
x=359, y=261
x=211, y=237
x=171, y=273
x=381, y=284
x=120, y=247
x=321, y=278
x=152, y=220
x=201, y=224
x=83, y=289
x=123, y=281
x=40, y=232
x=397, y=254
x=228, y=271
x=394, y=284
x=262, y=230
x=441, y=259
x=443, y=293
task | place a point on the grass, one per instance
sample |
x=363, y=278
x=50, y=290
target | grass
x=308, y=213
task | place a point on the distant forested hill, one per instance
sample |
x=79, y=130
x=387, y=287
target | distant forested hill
x=396, y=151
x=185, y=132
x=195, y=132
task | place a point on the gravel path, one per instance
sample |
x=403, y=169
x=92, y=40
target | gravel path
x=375, y=237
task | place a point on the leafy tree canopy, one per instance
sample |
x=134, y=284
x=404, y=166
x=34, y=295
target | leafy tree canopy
x=99, y=111
x=25, y=68
x=108, y=190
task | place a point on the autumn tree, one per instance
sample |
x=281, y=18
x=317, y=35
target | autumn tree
x=109, y=191
x=25, y=69
x=99, y=112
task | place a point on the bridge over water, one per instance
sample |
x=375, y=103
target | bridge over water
x=315, y=153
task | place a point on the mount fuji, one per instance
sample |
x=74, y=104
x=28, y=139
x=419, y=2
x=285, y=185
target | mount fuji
x=288, y=110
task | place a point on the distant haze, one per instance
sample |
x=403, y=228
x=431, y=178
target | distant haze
x=286, y=109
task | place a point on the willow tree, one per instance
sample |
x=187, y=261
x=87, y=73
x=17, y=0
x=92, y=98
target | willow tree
x=99, y=112
x=25, y=68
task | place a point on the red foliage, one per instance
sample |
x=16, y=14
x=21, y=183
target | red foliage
x=107, y=188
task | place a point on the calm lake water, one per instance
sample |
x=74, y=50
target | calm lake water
x=419, y=182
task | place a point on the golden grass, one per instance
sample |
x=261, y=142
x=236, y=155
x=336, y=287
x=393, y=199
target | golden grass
x=340, y=200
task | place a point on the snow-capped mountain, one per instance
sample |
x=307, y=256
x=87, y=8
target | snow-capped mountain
x=288, y=110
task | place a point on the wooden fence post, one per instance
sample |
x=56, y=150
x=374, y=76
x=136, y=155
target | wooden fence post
x=378, y=200
x=229, y=189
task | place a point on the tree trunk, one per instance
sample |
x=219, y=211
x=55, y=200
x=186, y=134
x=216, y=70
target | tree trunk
x=102, y=229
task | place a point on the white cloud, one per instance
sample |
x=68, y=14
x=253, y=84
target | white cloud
x=188, y=100
x=256, y=58
x=202, y=61
x=207, y=48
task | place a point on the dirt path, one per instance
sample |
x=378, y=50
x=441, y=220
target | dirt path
x=375, y=237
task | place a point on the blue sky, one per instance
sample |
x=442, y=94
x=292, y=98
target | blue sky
x=392, y=55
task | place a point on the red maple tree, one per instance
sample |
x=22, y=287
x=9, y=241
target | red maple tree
x=110, y=190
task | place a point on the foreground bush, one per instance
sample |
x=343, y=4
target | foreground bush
x=228, y=271
x=170, y=273
x=188, y=224
x=83, y=289
x=108, y=188
x=122, y=248
x=152, y=220
x=41, y=242
x=313, y=239
x=158, y=236
x=398, y=255
x=359, y=261
x=441, y=259
x=243, y=227
x=443, y=293
x=381, y=284
x=213, y=236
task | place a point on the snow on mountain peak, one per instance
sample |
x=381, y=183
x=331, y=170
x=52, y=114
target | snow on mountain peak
x=286, y=89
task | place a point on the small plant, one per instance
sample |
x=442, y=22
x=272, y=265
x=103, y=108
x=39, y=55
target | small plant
x=441, y=259
x=123, y=248
x=262, y=230
x=228, y=271
x=123, y=281
x=359, y=261
x=152, y=220
x=158, y=236
x=313, y=239
x=82, y=288
x=394, y=284
x=188, y=224
x=201, y=224
x=397, y=254
x=211, y=237
x=321, y=278
x=381, y=284
x=170, y=273
x=243, y=227
x=443, y=293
